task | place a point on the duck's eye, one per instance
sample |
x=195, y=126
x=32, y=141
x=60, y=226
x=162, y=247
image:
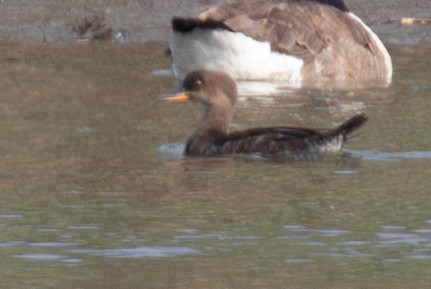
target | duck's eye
x=192, y=83
x=197, y=84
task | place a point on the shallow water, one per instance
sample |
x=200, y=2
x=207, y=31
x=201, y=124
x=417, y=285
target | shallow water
x=94, y=192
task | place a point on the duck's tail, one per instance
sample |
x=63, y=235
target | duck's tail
x=349, y=126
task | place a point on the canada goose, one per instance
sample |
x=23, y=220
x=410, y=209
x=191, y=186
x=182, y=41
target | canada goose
x=311, y=44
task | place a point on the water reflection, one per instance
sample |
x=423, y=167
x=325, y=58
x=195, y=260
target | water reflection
x=172, y=149
x=413, y=243
x=139, y=252
x=51, y=244
x=10, y=216
x=408, y=243
x=176, y=149
x=83, y=227
x=389, y=156
x=42, y=257
x=12, y=243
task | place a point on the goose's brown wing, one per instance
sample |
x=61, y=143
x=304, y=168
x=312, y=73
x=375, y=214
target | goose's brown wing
x=299, y=28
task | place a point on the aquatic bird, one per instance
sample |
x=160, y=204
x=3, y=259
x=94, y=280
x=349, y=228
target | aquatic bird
x=217, y=92
x=303, y=43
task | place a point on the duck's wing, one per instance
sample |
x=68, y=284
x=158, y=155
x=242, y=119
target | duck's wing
x=288, y=141
x=275, y=133
x=266, y=141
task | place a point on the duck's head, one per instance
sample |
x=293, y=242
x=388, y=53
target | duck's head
x=215, y=90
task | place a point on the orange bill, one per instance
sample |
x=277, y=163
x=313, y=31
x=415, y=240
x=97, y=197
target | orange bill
x=182, y=96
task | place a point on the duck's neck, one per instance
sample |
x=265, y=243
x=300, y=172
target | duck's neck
x=216, y=121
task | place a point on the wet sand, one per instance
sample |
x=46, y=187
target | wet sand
x=147, y=21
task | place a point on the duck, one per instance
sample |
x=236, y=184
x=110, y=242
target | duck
x=218, y=94
x=314, y=44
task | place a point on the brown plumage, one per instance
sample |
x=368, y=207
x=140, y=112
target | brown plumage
x=218, y=93
x=337, y=49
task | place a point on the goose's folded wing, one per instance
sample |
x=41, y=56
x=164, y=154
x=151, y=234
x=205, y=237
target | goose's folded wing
x=299, y=29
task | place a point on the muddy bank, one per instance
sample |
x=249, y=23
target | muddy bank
x=125, y=21
x=139, y=21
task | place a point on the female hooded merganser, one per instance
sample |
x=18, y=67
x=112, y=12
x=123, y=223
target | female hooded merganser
x=303, y=43
x=218, y=93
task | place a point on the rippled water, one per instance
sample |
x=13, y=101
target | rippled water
x=95, y=192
